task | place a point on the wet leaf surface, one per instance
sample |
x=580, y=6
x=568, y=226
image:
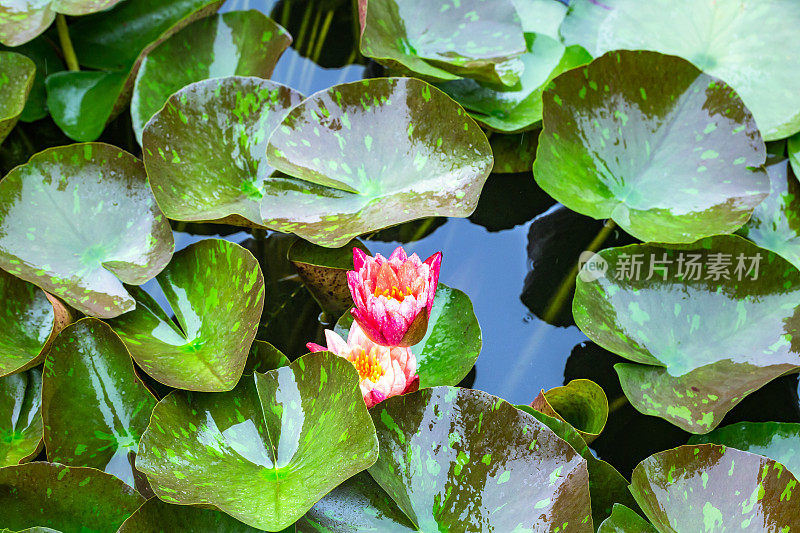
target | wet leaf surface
x=23, y=20
x=16, y=79
x=47, y=60
x=216, y=290
x=285, y=439
x=581, y=403
x=615, y=132
x=82, y=235
x=623, y=520
x=21, y=417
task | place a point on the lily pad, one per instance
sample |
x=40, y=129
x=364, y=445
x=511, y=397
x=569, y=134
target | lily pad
x=722, y=488
x=705, y=324
x=265, y=452
x=324, y=273
x=116, y=42
x=581, y=403
x=775, y=224
x=346, y=139
x=64, y=498
x=779, y=441
x=240, y=43
x=16, y=79
x=793, y=148
x=264, y=357
x=21, y=416
x=156, y=516
x=452, y=344
x=29, y=321
x=84, y=233
x=624, y=520
x=22, y=21
x=470, y=38
x=733, y=40
x=497, y=468
x=652, y=142
x=519, y=107
x=43, y=53
x=216, y=290
x=94, y=407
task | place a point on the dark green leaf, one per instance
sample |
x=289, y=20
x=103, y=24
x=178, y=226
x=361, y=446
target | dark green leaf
x=515, y=152
x=94, y=407
x=452, y=344
x=581, y=403
x=156, y=516
x=716, y=488
x=16, y=79
x=21, y=21
x=701, y=331
x=216, y=290
x=264, y=357
x=80, y=220
x=623, y=520
x=737, y=41
x=66, y=499
x=241, y=43
x=265, y=452
x=44, y=55
x=81, y=103
x=652, y=142
x=20, y=417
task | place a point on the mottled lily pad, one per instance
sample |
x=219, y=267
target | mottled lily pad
x=452, y=344
x=94, y=407
x=467, y=447
x=80, y=220
x=115, y=42
x=775, y=224
x=156, y=516
x=16, y=79
x=45, y=56
x=264, y=357
x=346, y=139
x=266, y=451
x=445, y=40
x=238, y=43
x=624, y=520
x=23, y=20
x=738, y=41
x=705, y=324
x=653, y=143
x=519, y=107
x=64, y=498
x=779, y=441
x=581, y=403
x=722, y=488
x=20, y=417
x=29, y=321
x=216, y=290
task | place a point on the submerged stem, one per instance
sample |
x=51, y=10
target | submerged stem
x=557, y=302
x=66, y=43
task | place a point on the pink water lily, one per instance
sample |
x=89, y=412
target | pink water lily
x=393, y=297
x=383, y=371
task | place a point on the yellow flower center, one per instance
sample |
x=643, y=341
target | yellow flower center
x=394, y=293
x=367, y=364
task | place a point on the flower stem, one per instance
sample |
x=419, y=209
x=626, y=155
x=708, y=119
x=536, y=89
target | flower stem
x=561, y=296
x=66, y=43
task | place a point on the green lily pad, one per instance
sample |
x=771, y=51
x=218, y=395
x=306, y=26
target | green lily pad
x=581, y=403
x=470, y=38
x=699, y=342
x=452, y=344
x=82, y=235
x=777, y=440
x=623, y=520
x=793, y=148
x=21, y=417
x=156, y=516
x=112, y=232
x=22, y=21
x=16, y=79
x=94, y=407
x=264, y=357
x=324, y=273
x=514, y=153
x=43, y=53
x=541, y=16
x=606, y=485
x=518, y=108
x=733, y=40
x=465, y=447
x=667, y=157
x=722, y=488
x=216, y=290
x=240, y=43
x=265, y=452
x=775, y=224
x=64, y=498
x=346, y=139
x=30, y=319
x=116, y=42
